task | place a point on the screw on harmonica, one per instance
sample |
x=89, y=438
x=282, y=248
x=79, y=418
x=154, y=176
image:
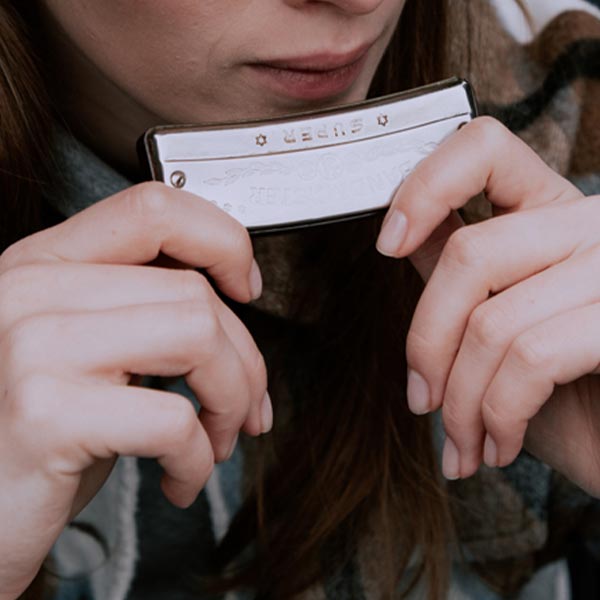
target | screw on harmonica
x=178, y=179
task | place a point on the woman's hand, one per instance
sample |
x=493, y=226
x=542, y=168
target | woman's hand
x=79, y=315
x=506, y=336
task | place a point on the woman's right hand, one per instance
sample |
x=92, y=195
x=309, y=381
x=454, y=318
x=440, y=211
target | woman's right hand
x=81, y=312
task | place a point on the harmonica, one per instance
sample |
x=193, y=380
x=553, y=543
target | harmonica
x=310, y=168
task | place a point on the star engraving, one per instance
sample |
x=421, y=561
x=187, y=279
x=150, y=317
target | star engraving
x=383, y=120
x=261, y=140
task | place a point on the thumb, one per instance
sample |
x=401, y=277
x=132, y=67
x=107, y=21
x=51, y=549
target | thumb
x=426, y=256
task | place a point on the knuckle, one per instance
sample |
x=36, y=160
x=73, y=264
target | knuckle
x=488, y=325
x=12, y=255
x=24, y=342
x=32, y=402
x=202, y=328
x=182, y=424
x=531, y=352
x=194, y=285
x=488, y=132
x=147, y=202
x=11, y=283
x=465, y=248
x=238, y=242
x=10, y=278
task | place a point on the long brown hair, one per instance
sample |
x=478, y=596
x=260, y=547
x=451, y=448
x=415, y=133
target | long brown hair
x=24, y=130
x=351, y=459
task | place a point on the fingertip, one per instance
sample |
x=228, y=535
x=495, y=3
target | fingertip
x=225, y=453
x=490, y=451
x=223, y=450
x=507, y=455
x=177, y=493
x=450, y=460
x=392, y=234
x=458, y=462
x=233, y=446
x=266, y=413
x=469, y=464
x=260, y=418
x=418, y=396
x=255, y=281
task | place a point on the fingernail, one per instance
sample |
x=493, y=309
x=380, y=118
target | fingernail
x=418, y=393
x=450, y=460
x=266, y=412
x=490, y=451
x=233, y=445
x=256, y=283
x=392, y=233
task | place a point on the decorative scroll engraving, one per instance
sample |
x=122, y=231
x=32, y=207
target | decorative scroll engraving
x=400, y=147
x=256, y=168
x=330, y=167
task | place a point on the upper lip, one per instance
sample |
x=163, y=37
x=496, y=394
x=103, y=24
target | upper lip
x=319, y=61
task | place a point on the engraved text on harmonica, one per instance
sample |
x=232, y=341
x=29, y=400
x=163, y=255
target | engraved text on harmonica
x=338, y=130
x=323, y=192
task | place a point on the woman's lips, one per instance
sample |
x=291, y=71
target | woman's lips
x=313, y=77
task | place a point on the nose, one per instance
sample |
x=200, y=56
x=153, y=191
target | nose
x=357, y=7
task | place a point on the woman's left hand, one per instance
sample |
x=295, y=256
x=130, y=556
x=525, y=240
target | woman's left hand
x=506, y=336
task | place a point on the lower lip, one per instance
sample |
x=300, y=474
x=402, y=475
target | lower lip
x=309, y=85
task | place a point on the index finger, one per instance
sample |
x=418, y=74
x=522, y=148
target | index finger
x=137, y=224
x=483, y=156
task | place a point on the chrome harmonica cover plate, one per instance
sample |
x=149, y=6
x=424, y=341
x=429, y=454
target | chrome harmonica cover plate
x=314, y=167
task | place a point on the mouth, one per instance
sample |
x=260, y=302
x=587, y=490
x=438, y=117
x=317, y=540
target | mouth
x=312, y=77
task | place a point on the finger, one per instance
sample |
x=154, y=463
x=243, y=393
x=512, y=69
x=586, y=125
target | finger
x=492, y=328
x=72, y=424
x=554, y=352
x=71, y=287
x=426, y=256
x=134, y=226
x=65, y=287
x=480, y=260
x=482, y=156
x=185, y=338
x=260, y=416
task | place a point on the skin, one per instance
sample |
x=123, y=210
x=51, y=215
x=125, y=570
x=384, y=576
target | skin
x=503, y=339
x=188, y=61
x=504, y=336
x=85, y=306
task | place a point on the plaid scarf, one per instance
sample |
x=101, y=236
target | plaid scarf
x=510, y=521
x=514, y=520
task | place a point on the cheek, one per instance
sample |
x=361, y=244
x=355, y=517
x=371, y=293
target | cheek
x=143, y=45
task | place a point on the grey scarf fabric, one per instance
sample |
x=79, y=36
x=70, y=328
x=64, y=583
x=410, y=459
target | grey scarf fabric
x=154, y=549
x=511, y=520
